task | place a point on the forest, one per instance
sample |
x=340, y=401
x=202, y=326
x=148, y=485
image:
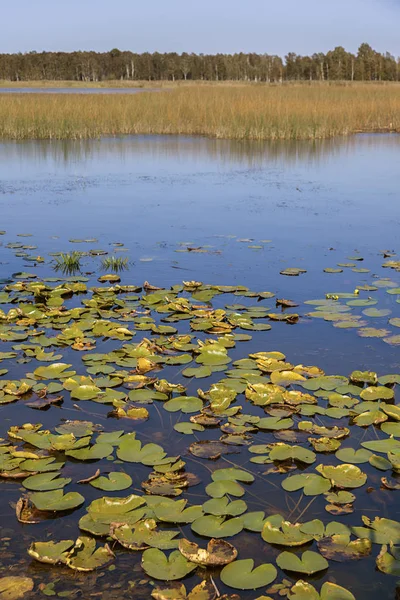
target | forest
x=335, y=65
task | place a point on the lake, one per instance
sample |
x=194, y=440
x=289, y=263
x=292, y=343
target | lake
x=225, y=213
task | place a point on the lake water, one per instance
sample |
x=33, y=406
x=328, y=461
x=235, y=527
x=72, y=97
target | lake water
x=246, y=211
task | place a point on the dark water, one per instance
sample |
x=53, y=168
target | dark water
x=316, y=203
x=71, y=90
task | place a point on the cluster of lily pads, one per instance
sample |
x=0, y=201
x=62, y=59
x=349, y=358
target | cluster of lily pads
x=337, y=307
x=139, y=353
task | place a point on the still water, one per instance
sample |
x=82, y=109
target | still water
x=254, y=209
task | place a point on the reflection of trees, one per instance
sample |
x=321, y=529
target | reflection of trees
x=248, y=153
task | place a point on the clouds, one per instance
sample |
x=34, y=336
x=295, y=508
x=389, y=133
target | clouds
x=302, y=26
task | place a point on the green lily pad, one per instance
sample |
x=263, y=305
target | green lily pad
x=343, y=476
x=242, y=575
x=45, y=482
x=310, y=483
x=217, y=527
x=50, y=552
x=114, y=482
x=157, y=565
x=309, y=563
x=287, y=534
x=85, y=557
x=56, y=500
x=186, y=404
x=142, y=535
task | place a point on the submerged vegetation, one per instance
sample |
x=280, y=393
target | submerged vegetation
x=240, y=112
x=187, y=453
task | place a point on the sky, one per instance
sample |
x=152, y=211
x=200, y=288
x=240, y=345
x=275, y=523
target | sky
x=208, y=26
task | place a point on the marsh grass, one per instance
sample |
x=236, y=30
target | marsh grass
x=221, y=111
x=115, y=264
x=68, y=263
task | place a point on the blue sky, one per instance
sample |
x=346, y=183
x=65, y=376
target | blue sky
x=272, y=26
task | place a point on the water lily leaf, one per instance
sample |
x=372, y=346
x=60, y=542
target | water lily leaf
x=387, y=445
x=312, y=484
x=177, y=591
x=341, y=497
x=218, y=489
x=222, y=507
x=242, y=575
x=175, y=511
x=339, y=548
x=186, y=404
x=218, y=552
x=287, y=534
x=56, y=500
x=45, y=482
x=131, y=450
x=104, y=511
x=379, y=531
x=343, y=476
x=389, y=562
x=157, y=565
x=14, y=587
x=324, y=444
x=85, y=392
x=54, y=371
x=95, y=452
x=309, y=563
x=143, y=535
x=50, y=552
x=332, y=591
x=286, y=378
x=217, y=527
x=114, y=482
x=354, y=457
x=253, y=521
x=274, y=423
x=210, y=449
x=85, y=557
x=304, y=591
x=232, y=474
x=283, y=451
x=380, y=392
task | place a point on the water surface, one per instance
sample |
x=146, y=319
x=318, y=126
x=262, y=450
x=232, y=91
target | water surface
x=307, y=205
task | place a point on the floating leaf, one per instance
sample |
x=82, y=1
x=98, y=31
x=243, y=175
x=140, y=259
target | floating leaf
x=114, y=482
x=242, y=575
x=309, y=563
x=344, y=476
x=218, y=552
x=157, y=565
x=339, y=548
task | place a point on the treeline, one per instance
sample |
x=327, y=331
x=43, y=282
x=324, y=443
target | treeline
x=337, y=64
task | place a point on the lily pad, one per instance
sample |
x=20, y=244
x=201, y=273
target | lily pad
x=157, y=565
x=309, y=563
x=242, y=575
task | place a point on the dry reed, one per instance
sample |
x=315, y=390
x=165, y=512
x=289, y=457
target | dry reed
x=238, y=112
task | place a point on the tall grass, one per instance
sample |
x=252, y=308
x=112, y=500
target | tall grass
x=240, y=112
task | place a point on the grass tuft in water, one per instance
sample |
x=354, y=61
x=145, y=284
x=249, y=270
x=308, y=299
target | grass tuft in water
x=68, y=263
x=114, y=263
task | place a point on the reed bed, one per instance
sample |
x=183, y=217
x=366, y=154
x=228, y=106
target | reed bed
x=236, y=112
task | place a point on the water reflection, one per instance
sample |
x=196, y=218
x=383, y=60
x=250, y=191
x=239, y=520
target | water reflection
x=245, y=153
